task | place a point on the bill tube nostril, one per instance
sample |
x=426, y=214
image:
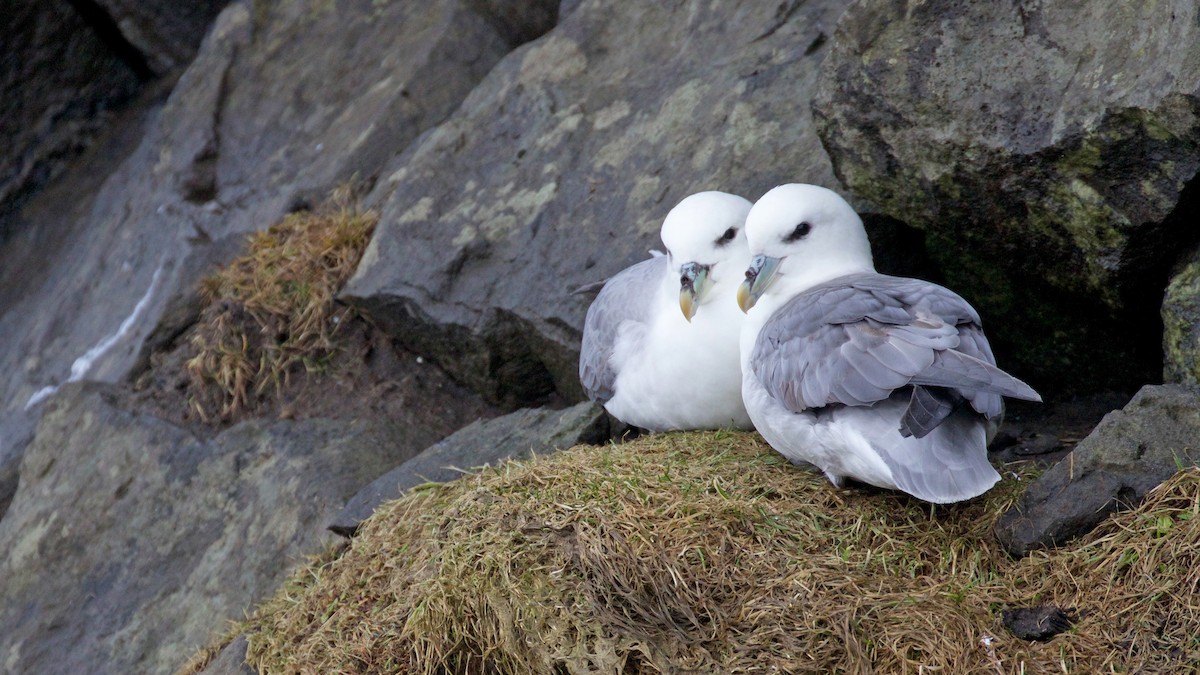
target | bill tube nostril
x=693, y=285
x=759, y=276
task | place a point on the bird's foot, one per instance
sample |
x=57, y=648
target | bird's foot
x=838, y=481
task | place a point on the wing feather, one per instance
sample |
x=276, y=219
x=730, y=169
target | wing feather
x=856, y=340
x=626, y=297
x=926, y=410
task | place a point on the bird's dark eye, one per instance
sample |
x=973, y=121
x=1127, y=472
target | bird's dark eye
x=727, y=237
x=800, y=232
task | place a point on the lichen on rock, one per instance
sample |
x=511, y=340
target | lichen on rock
x=1181, y=324
x=557, y=170
x=1023, y=136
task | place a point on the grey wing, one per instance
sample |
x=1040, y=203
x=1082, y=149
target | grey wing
x=628, y=296
x=838, y=343
x=859, y=338
x=966, y=367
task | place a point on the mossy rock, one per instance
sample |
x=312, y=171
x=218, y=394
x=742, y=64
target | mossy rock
x=1181, y=325
x=1051, y=169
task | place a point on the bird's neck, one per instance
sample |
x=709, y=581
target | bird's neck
x=729, y=274
x=799, y=278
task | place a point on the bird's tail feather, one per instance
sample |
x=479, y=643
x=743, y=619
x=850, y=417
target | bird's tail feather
x=949, y=464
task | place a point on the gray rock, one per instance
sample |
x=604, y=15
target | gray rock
x=1130, y=453
x=568, y=6
x=182, y=308
x=1181, y=324
x=278, y=107
x=558, y=170
x=52, y=229
x=518, y=434
x=231, y=660
x=1045, y=157
x=10, y=472
x=165, y=34
x=130, y=540
x=57, y=80
x=1036, y=623
x=518, y=21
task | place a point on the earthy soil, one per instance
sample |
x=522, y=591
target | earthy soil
x=368, y=377
x=1046, y=432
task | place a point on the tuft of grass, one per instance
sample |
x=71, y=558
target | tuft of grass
x=273, y=310
x=709, y=553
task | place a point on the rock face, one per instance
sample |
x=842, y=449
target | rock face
x=1130, y=453
x=56, y=80
x=230, y=661
x=518, y=21
x=130, y=540
x=282, y=104
x=517, y=434
x=1048, y=151
x=164, y=34
x=279, y=107
x=1181, y=324
x=1050, y=167
x=558, y=170
x=54, y=219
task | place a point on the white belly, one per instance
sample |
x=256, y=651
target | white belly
x=681, y=376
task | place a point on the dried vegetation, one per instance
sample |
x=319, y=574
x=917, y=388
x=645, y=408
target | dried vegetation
x=708, y=553
x=273, y=310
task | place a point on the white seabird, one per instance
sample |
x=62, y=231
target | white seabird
x=660, y=342
x=886, y=380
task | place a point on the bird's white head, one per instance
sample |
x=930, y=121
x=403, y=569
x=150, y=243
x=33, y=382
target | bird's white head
x=800, y=236
x=705, y=236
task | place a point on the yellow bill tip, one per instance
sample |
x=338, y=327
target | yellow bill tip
x=744, y=299
x=687, y=304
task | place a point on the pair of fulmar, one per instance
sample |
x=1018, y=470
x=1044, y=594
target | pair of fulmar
x=885, y=380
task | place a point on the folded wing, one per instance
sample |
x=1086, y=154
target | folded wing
x=856, y=340
x=627, y=297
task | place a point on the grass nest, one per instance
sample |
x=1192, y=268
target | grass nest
x=709, y=553
x=273, y=310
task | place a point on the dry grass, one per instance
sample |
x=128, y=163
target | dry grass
x=273, y=310
x=708, y=553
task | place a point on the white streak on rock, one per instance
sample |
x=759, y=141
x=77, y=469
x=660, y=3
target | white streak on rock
x=83, y=364
x=40, y=395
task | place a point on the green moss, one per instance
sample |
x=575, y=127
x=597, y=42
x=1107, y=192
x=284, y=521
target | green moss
x=1095, y=231
x=980, y=281
x=1156, y=127
x=1013, y=310
x=1181, y=325
x=1080, y=161
x=1039, y=242
x=949, y=187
